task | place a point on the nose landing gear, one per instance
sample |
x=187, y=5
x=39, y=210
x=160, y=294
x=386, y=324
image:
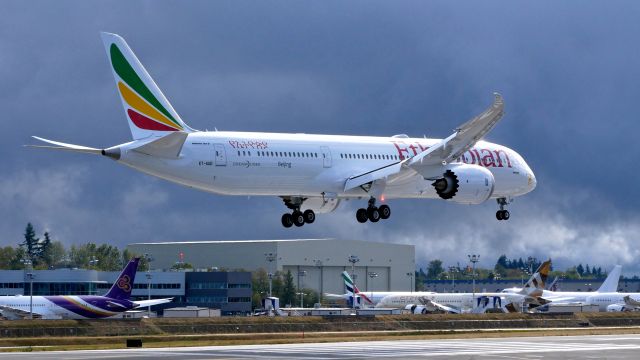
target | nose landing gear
x=502, y=214
x=373, y=213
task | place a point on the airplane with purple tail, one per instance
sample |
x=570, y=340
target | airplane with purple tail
x=114, y=302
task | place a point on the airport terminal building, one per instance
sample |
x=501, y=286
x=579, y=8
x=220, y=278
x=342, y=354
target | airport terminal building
x=314, y=263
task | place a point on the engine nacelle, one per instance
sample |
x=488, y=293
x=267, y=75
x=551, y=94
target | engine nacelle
x=616, y=308
x=465, y=184
x=416, y=309
x=321, y=205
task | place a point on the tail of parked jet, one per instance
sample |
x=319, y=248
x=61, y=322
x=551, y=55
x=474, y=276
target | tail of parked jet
x=348, y=283
x=147, y=109
x=121, y=289
x=610, y=284
x=535, y=285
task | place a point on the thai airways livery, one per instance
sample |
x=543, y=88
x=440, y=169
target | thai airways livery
x=114, y=302
x=310, y=173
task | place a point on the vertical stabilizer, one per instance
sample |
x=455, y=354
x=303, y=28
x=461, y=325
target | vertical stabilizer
x=610, y=284
x=147, y=109
x=121, y=289
x=535, y=285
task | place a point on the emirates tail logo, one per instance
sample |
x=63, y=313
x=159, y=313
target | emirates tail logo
x=124, y=283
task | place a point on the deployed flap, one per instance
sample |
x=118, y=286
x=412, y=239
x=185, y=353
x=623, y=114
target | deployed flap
x=610, y=284
x=168, y=146
x=12, y=313
x=631, y=302
x=364, y=178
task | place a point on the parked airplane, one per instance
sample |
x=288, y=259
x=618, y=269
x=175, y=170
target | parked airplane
x=310, y=173
x=370, y=298
x=610, y=285
x=114, y=302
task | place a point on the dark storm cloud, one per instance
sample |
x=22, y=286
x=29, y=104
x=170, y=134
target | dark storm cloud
x=569, y=73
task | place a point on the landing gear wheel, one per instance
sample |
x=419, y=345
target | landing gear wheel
x=505, y=215
x=385, y=211
x=499, y=214
x=373, y=214
x=309, y=216
x=287, y=220
x=361, y=215
x=298, y=218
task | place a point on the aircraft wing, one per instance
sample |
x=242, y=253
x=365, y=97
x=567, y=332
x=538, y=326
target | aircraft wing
x=428, y=162
x=631, y=302
x=12, y=313
x=146, y=303
x=435, y=305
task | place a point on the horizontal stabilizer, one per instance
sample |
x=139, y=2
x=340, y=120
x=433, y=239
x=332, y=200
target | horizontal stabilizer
x=168, y=146
x=145, y=303
x=64, y=146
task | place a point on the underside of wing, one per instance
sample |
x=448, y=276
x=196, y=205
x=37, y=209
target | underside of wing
x=145, y=303
x=13, y=313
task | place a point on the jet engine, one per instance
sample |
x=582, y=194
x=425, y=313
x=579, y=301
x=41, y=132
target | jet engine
x=465, y=184
x=321, y=205
x=616, y=308
x=416, y=309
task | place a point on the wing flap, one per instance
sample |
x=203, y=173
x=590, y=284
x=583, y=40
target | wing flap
x=364, y=178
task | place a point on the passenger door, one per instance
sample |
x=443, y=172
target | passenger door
x=326, y=156
x=220, y=155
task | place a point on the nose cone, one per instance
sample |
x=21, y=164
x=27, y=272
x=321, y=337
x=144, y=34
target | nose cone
x=531, y=180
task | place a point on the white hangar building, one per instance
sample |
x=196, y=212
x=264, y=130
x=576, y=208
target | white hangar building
x=316, y=263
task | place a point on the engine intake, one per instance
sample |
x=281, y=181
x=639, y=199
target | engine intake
x=465, y=184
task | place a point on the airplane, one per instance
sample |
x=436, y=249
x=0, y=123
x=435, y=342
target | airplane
x=609, y=285
x=372, y=299
x=310, y=173
x=114, y=302
x=424, y=302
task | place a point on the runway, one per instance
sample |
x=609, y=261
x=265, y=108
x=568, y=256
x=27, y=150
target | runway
x=551, y=347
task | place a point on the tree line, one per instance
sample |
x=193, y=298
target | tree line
x=283, y=286
x=44, y=253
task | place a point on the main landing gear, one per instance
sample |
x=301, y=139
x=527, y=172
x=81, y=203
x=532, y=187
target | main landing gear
x=502, y=214
x=297, y=217
x=373, y=213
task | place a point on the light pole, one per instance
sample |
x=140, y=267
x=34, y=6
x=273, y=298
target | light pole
x=412, y=284
x=318, y=263
x=149, y=260
x=474, y=259
x=372, y=275
x=28, y=267
x=301, y=273
x=271, y=257
x=452, y=271
x=353, y=260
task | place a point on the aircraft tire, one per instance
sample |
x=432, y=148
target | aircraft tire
x=361, y=215
x=298, y=218
x=309, y=216
x=385, y=211
x=287, y=220
x=373, y=214
x=505, y=215
x=499, y=214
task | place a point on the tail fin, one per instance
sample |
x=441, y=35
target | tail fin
x=148, y=111
x=610, y=284
x=535, y=285
x=121, y=289
x=348, y=283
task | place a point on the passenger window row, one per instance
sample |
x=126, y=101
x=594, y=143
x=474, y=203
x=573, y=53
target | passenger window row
x=369, y=156
x=290, y=154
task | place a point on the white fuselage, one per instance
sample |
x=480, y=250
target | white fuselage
x=462, y=301
x=238, y=163
x=73, y=307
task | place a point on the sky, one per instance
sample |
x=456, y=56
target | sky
x=569, y=73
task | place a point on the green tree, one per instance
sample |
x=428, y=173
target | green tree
x=288, y=290
x=31, y=243
x=7, y=257
x=434, y=269
x=260, y=286
x=109, y=258
x=580, y=269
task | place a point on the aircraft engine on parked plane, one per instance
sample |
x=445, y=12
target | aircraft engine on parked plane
x=465, y=184
x=322, y=206
x=416, y=309
x=616, y=308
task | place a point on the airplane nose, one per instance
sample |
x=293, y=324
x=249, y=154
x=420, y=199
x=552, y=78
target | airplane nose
x=532, y=182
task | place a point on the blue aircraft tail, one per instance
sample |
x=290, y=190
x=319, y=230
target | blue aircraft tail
x=121, y=289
